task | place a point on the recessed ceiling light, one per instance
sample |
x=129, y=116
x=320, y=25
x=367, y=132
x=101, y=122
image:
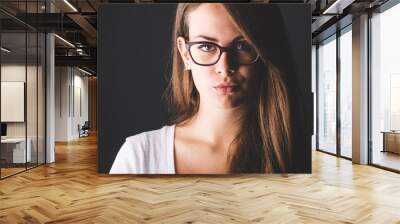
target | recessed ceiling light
x=70, y=5
x=5, y=50
x=86, y=72
x=64, y=40
x=337, y=7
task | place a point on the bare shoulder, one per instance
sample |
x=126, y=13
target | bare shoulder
x=183, y=135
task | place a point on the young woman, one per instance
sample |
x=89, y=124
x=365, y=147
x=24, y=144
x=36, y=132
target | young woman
x=229, y=102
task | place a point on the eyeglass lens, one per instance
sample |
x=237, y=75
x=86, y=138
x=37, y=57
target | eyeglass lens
x=208, y=53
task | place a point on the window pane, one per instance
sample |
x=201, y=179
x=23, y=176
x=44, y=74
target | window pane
x=345, y=94
x=385, y=84
x=327, y=96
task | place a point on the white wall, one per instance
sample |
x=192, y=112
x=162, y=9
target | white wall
x=314, y=90
x=16, y=73
x=12, y=101
x=61, y=103
x=70, y=94
x=80, y=85
x=33, y=126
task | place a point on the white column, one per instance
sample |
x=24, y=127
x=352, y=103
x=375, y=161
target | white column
x=360, y=90
x=50, y=93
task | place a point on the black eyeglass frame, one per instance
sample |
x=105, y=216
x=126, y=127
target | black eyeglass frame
x=188, y=45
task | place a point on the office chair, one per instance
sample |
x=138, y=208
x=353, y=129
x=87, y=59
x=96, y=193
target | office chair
x=84, y=130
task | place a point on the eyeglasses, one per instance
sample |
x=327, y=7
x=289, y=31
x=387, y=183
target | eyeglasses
x=207, y=53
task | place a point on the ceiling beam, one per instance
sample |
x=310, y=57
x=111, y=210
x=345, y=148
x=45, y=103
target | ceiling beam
x=85, y=61
x=86, y=26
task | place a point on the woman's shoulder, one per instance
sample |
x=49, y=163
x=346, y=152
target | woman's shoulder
x=149, y=152
x=149, y=139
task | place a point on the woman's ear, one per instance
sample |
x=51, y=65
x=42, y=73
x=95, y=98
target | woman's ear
x=180, y=42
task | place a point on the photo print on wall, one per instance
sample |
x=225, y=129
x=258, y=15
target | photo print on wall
x=204, y=88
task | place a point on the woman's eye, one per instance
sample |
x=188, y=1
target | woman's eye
x=206, y=47
x=242, y=46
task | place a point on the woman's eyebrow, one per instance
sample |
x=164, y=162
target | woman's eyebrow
x=238, y=38
x=206, y=37
x=216, y=40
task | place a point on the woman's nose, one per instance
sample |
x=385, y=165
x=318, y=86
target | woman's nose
x=225, y=65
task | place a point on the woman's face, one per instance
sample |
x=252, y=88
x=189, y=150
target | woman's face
x=225, y=84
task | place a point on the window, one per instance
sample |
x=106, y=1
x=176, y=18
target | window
x=346, y=93
x=327, y=95
x=385, y=88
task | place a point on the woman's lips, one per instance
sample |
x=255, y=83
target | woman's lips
x=227, y=88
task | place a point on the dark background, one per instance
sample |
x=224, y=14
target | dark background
x=134, y=57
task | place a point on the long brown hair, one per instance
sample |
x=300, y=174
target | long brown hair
x=264, y=142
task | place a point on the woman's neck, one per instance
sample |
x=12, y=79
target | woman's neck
x=217, y=125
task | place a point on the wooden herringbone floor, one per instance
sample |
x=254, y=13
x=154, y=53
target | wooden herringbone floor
x=70, y=191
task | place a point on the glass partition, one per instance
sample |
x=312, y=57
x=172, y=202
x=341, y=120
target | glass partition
x=41, y=87
x=22, y=90
x=31, y=100
x=13, y=94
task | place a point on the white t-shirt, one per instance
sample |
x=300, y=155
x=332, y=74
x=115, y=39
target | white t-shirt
x=149, y=152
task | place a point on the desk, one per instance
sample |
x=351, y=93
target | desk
x=15, y=148
x=391, y=141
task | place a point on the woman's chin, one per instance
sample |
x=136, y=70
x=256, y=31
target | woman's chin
x=229, y=102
